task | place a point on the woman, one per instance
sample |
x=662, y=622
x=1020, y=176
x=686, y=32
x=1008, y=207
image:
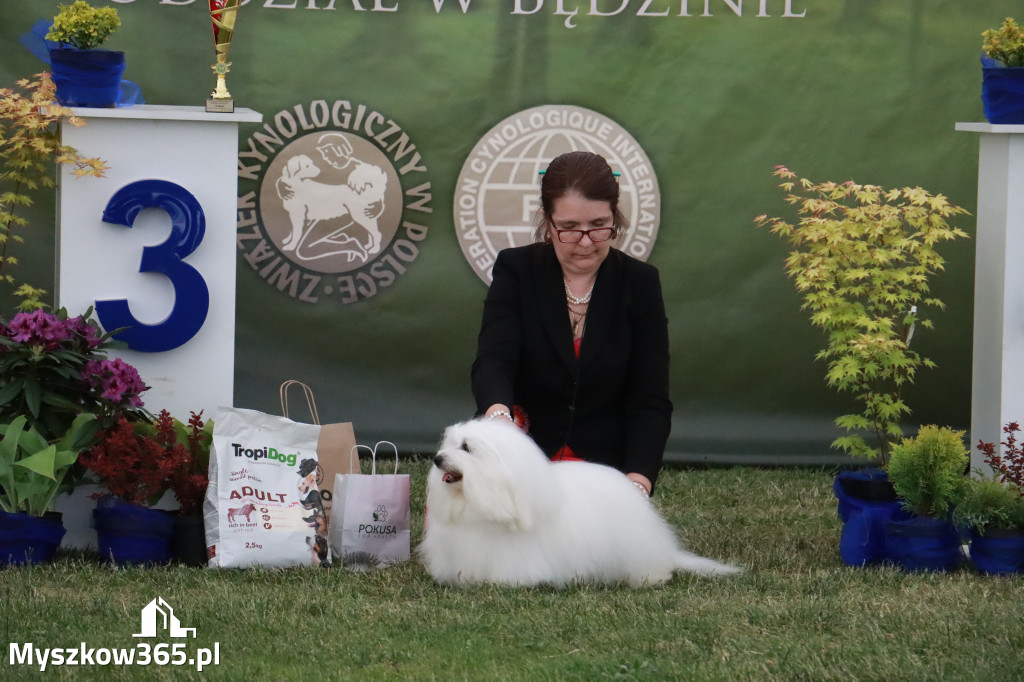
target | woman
x=574, y=332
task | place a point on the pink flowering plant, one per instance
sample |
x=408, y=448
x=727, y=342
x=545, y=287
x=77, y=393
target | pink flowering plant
x=116, y=380
x=54, y=367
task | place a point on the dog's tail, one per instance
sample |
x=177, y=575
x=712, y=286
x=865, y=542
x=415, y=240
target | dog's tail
x=686, y=561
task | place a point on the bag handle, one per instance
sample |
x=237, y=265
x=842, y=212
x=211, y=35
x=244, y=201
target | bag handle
x=310, y=401
x=393, y=447
x=354, y=453
x=373, y=454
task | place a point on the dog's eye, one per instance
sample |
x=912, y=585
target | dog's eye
x=464, y=446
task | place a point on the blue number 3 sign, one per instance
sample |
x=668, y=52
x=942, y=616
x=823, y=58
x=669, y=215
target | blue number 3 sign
x=191, y=295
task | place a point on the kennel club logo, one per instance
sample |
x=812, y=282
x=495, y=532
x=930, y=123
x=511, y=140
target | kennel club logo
x=498, y=191
x=333, y=199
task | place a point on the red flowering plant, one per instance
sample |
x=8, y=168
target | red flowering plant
x=1009, y=467
x=54, y=367
x=190, y=479
x=135, y=460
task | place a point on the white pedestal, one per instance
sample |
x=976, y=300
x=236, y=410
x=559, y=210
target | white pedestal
x=194, y=154
x=997, y=390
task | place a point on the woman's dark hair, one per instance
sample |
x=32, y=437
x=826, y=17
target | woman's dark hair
x=583, y=173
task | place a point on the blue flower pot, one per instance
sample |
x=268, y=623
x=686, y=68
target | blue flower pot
x=28, y=539
x=923, y=544
x=1002, y=92
x=867, y=502
x=87, y=78
x=132, y=534
x=998, y=551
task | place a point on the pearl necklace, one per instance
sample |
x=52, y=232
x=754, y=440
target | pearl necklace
x=577, y=300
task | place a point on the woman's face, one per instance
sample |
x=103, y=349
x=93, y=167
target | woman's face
x=573, y=212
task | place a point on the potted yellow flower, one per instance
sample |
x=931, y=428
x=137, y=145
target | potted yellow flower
x=1002, y=85
x=85, y=75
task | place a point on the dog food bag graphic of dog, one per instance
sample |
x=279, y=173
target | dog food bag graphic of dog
x=501, y=512
x=263, y=507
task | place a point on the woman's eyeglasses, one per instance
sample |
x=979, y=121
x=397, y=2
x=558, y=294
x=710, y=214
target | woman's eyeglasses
x=597, y=234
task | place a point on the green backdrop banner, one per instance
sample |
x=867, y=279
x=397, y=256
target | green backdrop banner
x=410, y=115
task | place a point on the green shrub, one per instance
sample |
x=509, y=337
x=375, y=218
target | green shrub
x=927, y=471
x=83, y=26
x=989, y=503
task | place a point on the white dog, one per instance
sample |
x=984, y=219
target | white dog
x=500, y=512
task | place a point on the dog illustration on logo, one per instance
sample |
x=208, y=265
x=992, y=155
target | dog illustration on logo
x=245, y=511
x=309, y=201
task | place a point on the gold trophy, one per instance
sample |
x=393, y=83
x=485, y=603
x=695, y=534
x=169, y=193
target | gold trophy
x=222, y=15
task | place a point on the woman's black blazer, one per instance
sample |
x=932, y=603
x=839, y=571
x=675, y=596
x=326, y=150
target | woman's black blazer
x=611, y=405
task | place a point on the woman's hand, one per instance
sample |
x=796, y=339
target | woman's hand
x=642, y=483
x=498, y=411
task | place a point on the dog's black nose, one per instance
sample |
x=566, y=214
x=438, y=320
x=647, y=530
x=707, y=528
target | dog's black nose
x=439, y=461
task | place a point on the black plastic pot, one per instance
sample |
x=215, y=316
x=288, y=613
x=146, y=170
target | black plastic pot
x=188, y=540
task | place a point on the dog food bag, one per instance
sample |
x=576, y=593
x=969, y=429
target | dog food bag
x=262, y=506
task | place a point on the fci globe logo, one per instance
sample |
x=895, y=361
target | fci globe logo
x=498, y=192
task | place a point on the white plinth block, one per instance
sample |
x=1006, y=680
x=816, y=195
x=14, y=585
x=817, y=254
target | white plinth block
x=997, y=389
x=173, y=181
x=171, y=193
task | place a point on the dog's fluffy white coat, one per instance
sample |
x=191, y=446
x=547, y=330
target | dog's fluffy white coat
x=500, y=512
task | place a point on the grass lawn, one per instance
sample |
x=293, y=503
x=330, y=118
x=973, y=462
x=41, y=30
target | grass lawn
x=797, y=614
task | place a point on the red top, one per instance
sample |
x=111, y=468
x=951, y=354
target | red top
x=565, y=453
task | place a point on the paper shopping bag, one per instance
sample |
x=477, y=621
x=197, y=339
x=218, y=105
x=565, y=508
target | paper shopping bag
x=262, y=507
x=334, y=448
x=370, y=517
